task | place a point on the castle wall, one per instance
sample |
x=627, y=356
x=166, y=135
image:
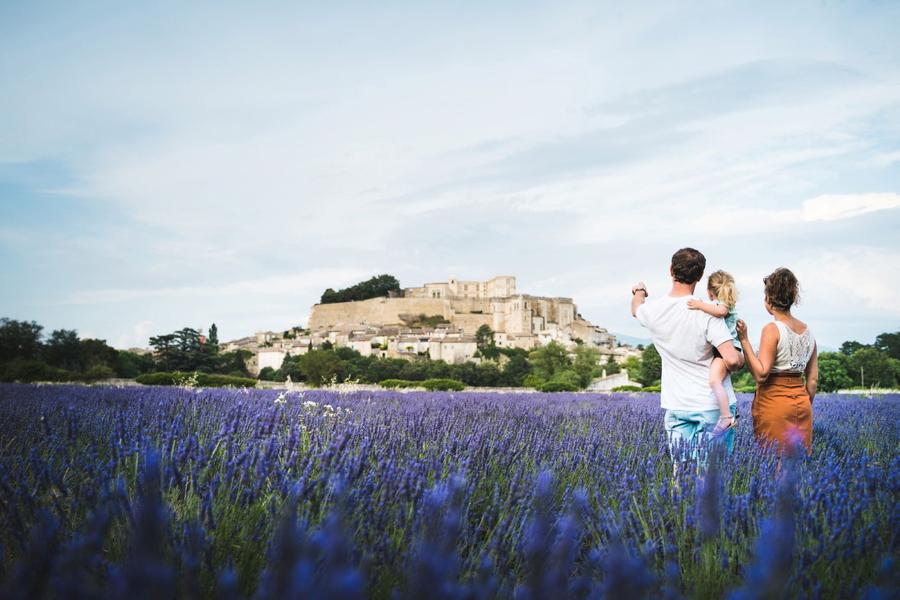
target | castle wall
x=375, y=311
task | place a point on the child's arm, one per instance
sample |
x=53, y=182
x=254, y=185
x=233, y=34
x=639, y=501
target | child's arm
x=716, y=310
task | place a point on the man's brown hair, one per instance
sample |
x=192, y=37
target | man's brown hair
x=688, y=265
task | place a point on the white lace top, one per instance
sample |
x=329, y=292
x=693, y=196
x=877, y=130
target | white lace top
x=794, y=350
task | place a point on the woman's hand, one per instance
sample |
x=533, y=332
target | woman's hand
x=741, y=327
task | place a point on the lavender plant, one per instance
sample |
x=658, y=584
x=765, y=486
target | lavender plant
x=195, y=493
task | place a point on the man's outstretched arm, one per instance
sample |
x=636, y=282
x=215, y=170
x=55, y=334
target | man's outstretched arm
x=638, y=295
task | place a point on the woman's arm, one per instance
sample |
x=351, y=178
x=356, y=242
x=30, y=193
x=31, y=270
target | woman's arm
x=812, y=374
x=715, y=310
x=760, y=365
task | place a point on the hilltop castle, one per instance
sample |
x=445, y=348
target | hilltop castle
x=518, y=320
x=437, y=320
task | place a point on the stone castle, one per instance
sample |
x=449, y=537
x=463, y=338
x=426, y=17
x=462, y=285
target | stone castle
x=518, y=320
x=437, y=320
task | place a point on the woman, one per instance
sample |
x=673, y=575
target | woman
x=782, y=408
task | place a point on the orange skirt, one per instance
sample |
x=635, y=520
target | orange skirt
x=782, y=411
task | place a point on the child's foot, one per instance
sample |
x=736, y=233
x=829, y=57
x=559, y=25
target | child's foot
x=724, y=424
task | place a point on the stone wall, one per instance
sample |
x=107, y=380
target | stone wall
x=376, y=311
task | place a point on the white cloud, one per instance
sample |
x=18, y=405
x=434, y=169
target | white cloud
x=282, y=285
x=832, y=207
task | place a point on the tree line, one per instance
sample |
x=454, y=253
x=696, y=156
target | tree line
x=376, y=287
x=27, y=354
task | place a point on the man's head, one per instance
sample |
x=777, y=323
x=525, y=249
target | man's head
x=687, y=266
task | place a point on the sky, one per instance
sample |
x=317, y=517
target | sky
x=169, y=164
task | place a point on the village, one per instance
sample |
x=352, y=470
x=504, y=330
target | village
x=438, y=321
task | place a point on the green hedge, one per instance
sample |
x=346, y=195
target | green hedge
x=557, y=386
x=203, y=379
x=393, y=384
x=443, y=385
x=627, y=388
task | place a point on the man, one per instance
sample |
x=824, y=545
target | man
x=685, y=339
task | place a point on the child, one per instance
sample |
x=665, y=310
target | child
x=721, y=290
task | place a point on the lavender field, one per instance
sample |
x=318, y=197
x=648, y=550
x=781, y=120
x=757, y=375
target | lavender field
x=168, y=492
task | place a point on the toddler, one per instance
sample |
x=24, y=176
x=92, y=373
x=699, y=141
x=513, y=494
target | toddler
x=722, y=292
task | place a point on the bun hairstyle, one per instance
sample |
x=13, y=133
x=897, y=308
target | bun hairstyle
x=721, y=284
x=782, y=289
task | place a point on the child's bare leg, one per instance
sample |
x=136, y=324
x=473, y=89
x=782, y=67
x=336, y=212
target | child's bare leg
x=717, y=373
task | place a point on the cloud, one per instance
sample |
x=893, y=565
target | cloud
x=281, y=285
x=833, y=207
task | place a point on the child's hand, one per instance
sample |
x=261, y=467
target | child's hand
x=695, y=304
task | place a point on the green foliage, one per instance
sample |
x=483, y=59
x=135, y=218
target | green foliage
x=850, y=347
x=376, y=287
x=484, y=339
x=322, y=366
x=889, y=343
x=424, y=320
x=516, y=369
x=532, y=381
x=834, y=371
x=19, y=340
x=651, y=366
x=871, y=368
x=393, y=384
x=586, y=365
x=547, y=360
x=567, y=377
x=202, y=379
x=557, y=386
x=443, y=385
x=268, y=374
x=632, y=364
x=611, y=366
x=627, y=388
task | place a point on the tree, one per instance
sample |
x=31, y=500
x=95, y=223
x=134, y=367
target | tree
x=632, y=364
x=516, y=368
x=586, y=365
x=19, y=339
x=848, y=348
x=871, y=368
x=611, y=366
x=164, y=350
x=376, y=287
x=889, y=343
x=63, y=350
x=213, y=335
x=834, y=371
x=651, y=366
x=96, y=353
x=484, y=339
x=321, y=366
x=267, y=374
x=547, y=360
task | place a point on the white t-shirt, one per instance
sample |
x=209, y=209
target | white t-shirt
x=685, y=340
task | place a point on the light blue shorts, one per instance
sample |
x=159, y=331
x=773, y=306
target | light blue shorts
x=690, y=433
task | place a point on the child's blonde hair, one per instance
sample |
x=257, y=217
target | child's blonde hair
x=721, y=284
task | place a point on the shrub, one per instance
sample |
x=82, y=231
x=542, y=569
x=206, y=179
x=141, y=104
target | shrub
x=97, y=373
x=394, y=384
x=627, y=388
x=201, y=379
x=558, y=386
x=443, y=385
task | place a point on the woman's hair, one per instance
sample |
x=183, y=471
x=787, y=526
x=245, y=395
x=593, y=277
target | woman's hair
x=782, y=289
x=721, y=284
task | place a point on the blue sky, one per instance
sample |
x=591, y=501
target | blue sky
x=165, y=166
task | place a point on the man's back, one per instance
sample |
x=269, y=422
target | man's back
x=684, y=339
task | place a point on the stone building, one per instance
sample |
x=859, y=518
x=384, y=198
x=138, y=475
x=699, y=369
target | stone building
x=518, y=320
